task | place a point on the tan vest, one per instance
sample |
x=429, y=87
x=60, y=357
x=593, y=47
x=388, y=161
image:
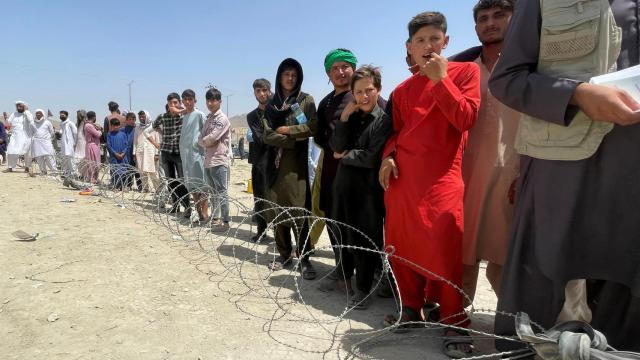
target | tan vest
x=579, y=39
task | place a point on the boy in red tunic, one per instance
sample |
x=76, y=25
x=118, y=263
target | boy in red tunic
x=421, y=175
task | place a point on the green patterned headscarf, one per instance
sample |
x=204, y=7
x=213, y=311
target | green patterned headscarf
x=339, y=55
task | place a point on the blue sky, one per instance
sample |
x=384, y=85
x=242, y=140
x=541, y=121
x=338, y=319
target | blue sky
x=69, y=55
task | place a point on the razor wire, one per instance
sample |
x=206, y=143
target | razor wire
x=245, y=263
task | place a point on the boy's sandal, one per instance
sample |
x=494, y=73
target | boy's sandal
x=308, y=271
x=409, y=319
x=279, y=263
x=431, y=311
x=451, y=344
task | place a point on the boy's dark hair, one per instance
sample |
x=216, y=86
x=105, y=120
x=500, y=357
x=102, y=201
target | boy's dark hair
x=428, y=18
x=114, y=122
x=130, y=115
x=261, y=84
x=141, y=112
x=173, y=96
x=189, y=94
x=64, y=112
x=506, y=5
x=113, y=106
x=91, y=115
x=213, y=94
x=367, y=71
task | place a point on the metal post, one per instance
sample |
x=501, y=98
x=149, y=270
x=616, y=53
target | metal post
x=129, y=84
x=228, y=103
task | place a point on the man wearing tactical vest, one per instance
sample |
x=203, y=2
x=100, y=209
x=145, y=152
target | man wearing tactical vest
x=577, y=211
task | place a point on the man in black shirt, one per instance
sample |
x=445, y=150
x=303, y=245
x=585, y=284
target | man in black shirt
x=257, y=152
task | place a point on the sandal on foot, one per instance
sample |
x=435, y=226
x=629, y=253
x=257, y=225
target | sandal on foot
x=308, y=272
x=360, y=301
x=431, y=311
x=279, y=263
x=409, y=319
x=451, y=344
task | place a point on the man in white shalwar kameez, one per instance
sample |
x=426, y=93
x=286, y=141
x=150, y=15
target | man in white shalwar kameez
x=146, y=152
x=20, y=142
x=42, y=133
x=67, y=146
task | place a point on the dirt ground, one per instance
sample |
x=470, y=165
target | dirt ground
x=108, y=278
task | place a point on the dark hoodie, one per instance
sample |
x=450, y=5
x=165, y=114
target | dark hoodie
x=278, y=108
x=279, y=113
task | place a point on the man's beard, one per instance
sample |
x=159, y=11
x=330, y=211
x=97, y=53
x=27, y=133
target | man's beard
x=20, y=110
x=341, y=83
x=264, y=103
x=493, y=41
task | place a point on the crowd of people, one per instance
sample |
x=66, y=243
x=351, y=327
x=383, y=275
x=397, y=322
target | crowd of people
x=503, y=153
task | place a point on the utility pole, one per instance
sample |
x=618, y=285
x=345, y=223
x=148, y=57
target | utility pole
x=211, y=86
x=228, y=104
x=129, y=85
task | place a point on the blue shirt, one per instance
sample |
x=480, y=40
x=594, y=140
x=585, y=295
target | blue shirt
x=117, y=143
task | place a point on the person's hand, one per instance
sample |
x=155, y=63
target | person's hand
x=1, y=141
x=175, y=110
x=154, y=143
x=435, y=68
x=511, y=194
x=337, y=155
x=387, y=168
x=351, y=107
x=283, y=130
x=608, y=104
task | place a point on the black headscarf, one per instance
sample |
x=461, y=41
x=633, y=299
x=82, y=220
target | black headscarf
x=277, y=111
x=278, y=108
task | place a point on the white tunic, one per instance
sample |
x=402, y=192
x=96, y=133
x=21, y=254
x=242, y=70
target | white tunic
x=69, y=136
x=42, y=136
x=20, y=140
x=144, y=150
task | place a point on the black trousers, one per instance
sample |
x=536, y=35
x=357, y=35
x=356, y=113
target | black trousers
x=258, y=181
x=134, y=176
x=172, y=166
x=283, y=240
x=344, y=259
x=366, y=263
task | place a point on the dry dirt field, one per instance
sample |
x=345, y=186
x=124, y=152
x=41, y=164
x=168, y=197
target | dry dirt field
x=108, y=278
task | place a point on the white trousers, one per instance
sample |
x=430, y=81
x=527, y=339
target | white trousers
x=68, y=166
x=12, y=160
x=47, y=163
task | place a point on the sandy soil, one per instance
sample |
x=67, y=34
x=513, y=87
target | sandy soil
x=109, y=279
